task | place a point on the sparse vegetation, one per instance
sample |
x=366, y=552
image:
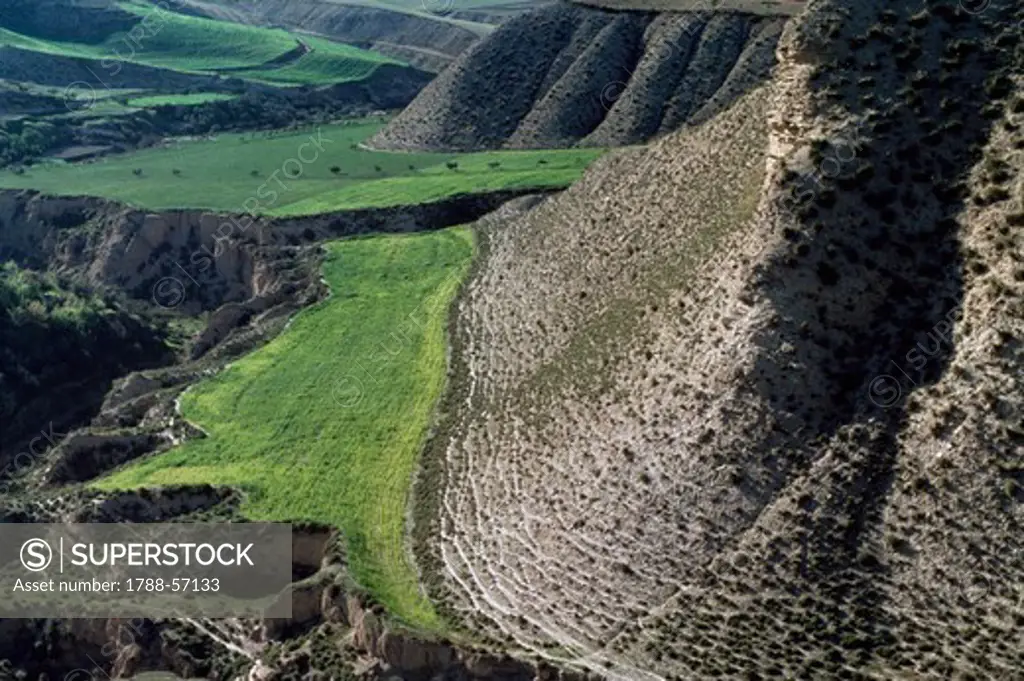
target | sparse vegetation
x=216, y=179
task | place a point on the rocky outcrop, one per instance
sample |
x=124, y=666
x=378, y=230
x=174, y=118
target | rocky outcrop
x=396, y=652
x=84, y=456
x=588, y=77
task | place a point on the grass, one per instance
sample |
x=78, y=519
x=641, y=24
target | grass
x=179, y=100
x=180, y=41
x=439, y=10
x=189, y=44
x=226, y=173
x=173, y=41
x=327, y=62
x=326, y=422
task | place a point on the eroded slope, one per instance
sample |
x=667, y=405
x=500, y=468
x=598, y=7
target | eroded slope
x=588, y=76
x=750, y=403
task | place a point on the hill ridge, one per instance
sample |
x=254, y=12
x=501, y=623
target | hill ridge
x=749, y=401
x=587, y=77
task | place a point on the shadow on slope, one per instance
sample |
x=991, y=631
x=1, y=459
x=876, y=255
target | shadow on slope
x=590, y=77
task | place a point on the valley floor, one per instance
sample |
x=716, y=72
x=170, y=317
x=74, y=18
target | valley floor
x=292, y=173
x=326, y=422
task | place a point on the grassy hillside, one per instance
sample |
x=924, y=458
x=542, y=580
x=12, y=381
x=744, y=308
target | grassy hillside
x=325, y=423
x=223, y=174
x=326, y=62
x=190, y=44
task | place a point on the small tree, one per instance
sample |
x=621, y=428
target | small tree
x=175, y=171
x=452, y=165
x=335, y=169
x=494, y=164
x=137, y=172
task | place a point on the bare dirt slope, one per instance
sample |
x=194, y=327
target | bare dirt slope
x=588, y=76
x=749, y=404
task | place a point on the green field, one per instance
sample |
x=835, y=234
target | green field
x=199, y=45
x=325, y=423
x=326, y=62
x=180, y=100
x=230, y=173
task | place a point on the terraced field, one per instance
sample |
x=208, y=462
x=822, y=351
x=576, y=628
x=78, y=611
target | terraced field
x=196, y=45
x=235, y=170
x=326, y=422
x=179, y=100
x=423, y=34
x=326, y=62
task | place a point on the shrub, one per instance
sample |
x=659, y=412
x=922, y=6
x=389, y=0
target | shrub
x=921, y=19
x=999, y=87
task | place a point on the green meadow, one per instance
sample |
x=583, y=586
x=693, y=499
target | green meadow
x=225, y=173
x=327, y=62
x=179, y=100
x=325, y=423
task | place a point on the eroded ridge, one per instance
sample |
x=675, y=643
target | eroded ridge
x=684, y=450
x=552, y=346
